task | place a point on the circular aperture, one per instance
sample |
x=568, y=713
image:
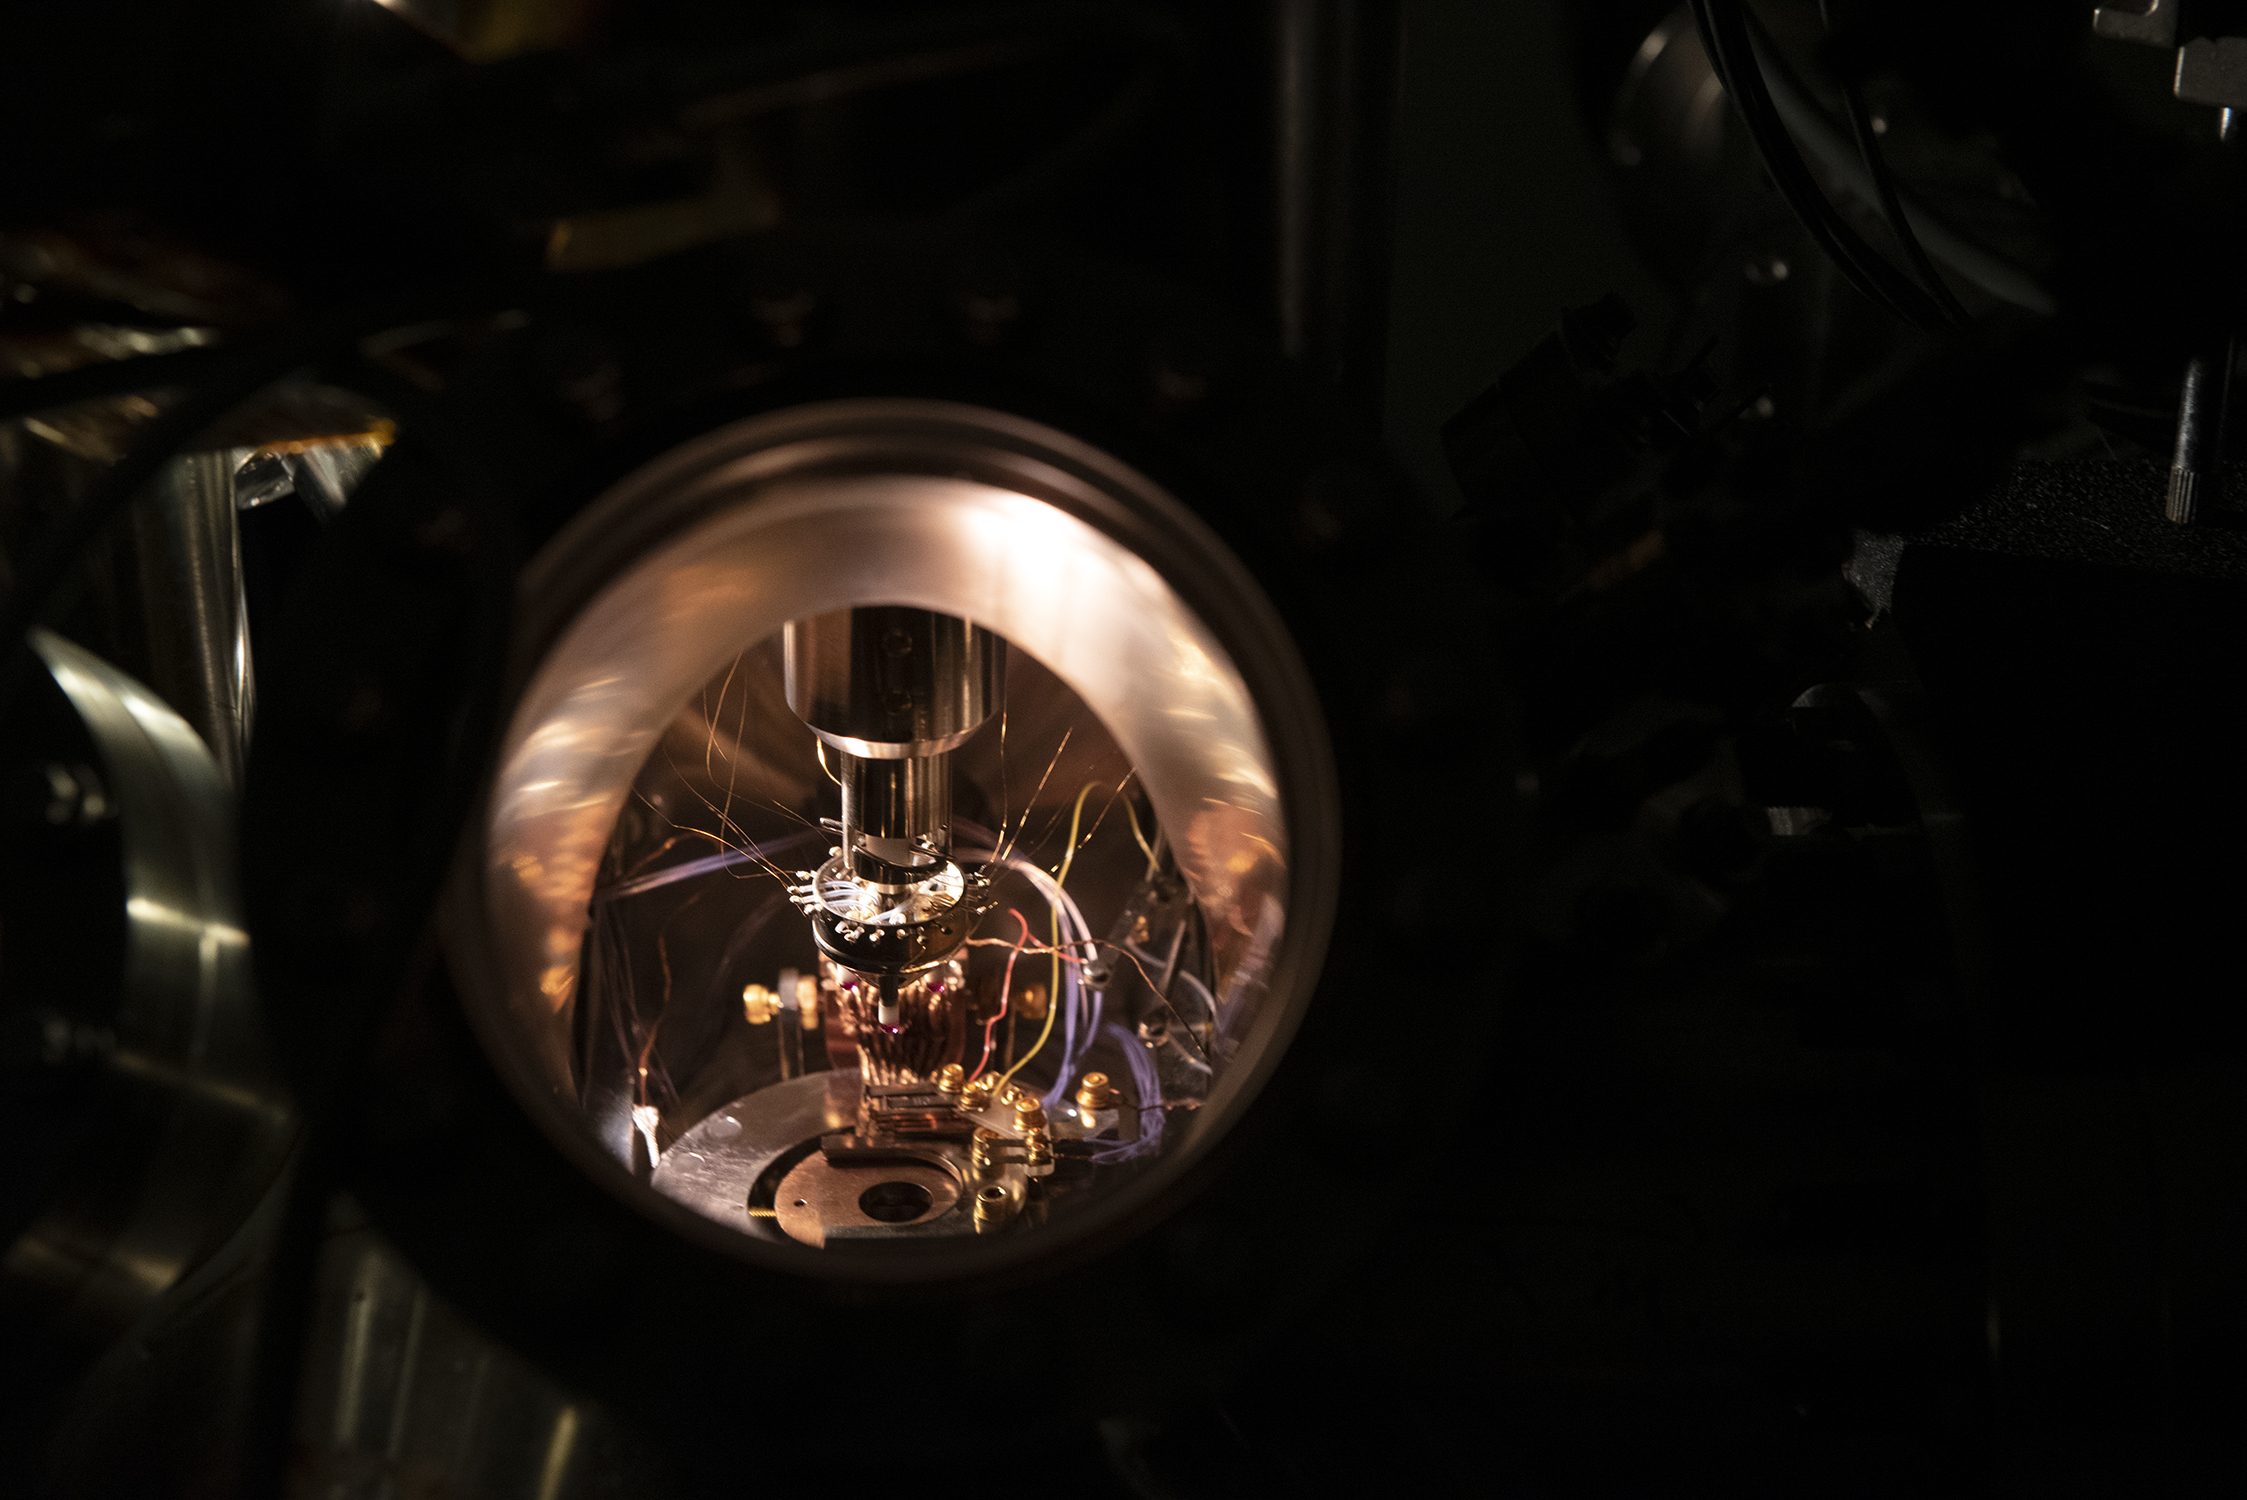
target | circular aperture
x=895, y=1202
x=1147, y=824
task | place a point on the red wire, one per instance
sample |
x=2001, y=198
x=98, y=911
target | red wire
x=1006, y=990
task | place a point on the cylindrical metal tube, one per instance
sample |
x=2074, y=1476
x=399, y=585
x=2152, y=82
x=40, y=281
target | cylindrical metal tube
x=894, y=802
x=888, y=682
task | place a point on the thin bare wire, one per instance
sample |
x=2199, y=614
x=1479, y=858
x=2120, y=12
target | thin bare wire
x=741, y=842
x=1005, y=686
x=1109, y=806
x=1008, y=847
x=1132, y=812
x=747, y=850
x=710, y=742
x=1006, y=990
x=655, y=1027
x=1129, y=957
x=1053, y=989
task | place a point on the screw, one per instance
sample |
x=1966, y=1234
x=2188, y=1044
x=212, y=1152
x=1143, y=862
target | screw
x=1095, y=1093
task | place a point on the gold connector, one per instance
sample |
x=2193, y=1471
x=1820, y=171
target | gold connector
x=1094, y=1092
x=758, y=1004
x=1029, y=1113
x=984, y=1151
x=949, y=1080
x=994, y=1205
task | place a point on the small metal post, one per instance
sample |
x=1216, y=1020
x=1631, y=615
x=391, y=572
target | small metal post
x=791, y=1027
x=2195, y=472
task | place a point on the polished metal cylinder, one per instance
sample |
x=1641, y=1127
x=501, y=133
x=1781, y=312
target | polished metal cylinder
x=898, y=812
x=888, y=682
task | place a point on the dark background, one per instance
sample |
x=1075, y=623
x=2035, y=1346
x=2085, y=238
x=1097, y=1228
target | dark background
x=1737, y=1184
x=1502, y=217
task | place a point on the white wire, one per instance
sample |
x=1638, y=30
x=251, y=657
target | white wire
x=1047, y=887
x=1078, y=933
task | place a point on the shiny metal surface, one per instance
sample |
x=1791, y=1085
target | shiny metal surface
x=2156, y=25
x=711, y=1168
x=192, y=1123
x=1067, y=554
x=2196, y=475
x=894, y=691
x=402, y=1396
x=1670, y=113
x=1668, y=135
x=189, y=552
x=886, y=931
x=1830, y=146
x=888, y=805
x=821, y=1200
x=885, y=683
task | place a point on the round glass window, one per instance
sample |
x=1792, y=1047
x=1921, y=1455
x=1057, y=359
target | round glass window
x=914, y=842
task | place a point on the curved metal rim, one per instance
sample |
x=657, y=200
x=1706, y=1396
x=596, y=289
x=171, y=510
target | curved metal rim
x=667, y=497
x=186, y=1037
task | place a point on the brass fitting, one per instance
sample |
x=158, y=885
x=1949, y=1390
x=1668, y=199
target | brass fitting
x=758, y=1004
x=994, y=1205
x=949, y=1080
x=1037, y=1152
x=983, y=1151
x=1029, y=1113
x=1094, y=1092
x=975, y=1096
x=1014, y=1095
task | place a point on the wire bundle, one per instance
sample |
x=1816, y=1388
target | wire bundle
x=1068, y=992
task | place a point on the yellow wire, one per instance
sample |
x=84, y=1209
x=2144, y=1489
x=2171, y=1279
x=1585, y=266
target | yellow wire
x=1153, y=864
x=1053, y=990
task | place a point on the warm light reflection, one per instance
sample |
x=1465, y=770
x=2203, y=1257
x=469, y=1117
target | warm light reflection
x=157, y=914
x=1102, y=619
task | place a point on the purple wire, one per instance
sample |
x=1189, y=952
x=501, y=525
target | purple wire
x=634, y=885
x=1069, y=922
x=1071, y=1053
x=1068, y=1032
x=1147, y=1084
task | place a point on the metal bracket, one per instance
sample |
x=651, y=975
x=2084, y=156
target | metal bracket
x=2155, y=26
x=2210, y=70
x=2213, y=71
